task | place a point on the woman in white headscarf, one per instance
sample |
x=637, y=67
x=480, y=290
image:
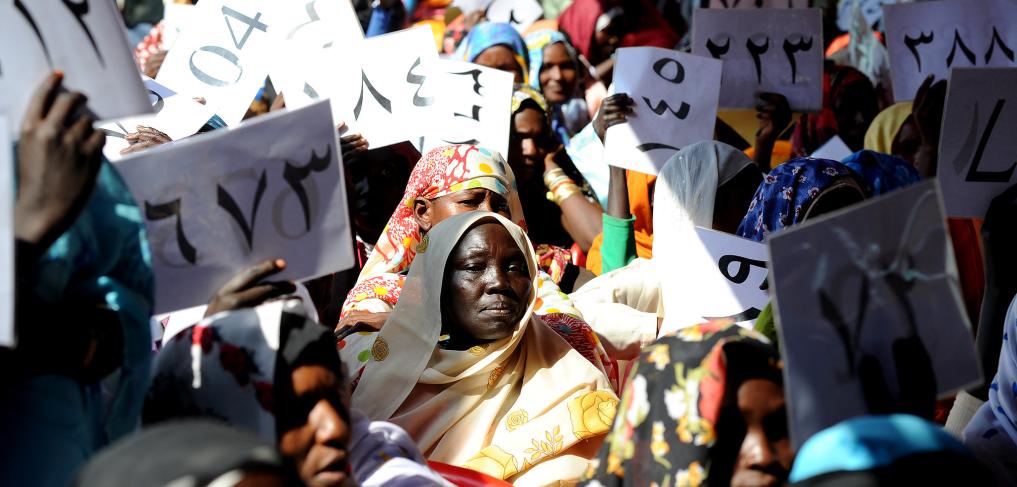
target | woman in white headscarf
x=707, y=184
x=466, y=367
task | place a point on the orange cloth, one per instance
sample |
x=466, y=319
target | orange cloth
x=781, y=153
x=965, y=233
x=842, y=41
x=640, y=188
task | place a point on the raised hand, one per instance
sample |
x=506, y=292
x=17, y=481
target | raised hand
x=144, y=138
x=614, y=110
x=246, y=289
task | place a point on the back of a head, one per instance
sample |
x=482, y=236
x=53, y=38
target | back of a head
x=888, y=450
x=186, y=453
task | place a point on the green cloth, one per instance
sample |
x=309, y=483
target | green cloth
x=618, y=246
x=766, y=325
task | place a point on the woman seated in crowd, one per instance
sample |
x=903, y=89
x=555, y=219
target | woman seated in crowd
x=497, y=46
x=557, y=72
x=559, y=211
x=468, y=369
x=706, y=184
x=702, y=407
x=447, y=181
x=272, y=371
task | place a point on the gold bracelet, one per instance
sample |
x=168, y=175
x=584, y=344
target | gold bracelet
x=563, y=192
x=552, y=175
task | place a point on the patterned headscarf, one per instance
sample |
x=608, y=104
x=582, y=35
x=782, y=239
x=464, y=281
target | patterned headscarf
x=490, y=34
x=537, y=41
x=226, y=366
x=570, y=117
x=444, y=170
x=789, y=190
x=882, y=173
x=523, y=93
x=667, y=419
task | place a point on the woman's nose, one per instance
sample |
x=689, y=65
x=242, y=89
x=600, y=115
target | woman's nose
x=329, y=426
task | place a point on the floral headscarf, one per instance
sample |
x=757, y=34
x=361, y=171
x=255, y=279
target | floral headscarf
x=537, y=41
x=789, y=190
x=666, y=424
x=883, y=173
x=524, y=93
x=490, y=34
x=444, y=170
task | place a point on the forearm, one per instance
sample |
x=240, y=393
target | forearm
x=618, y=194
x=763, y=155
x=582, y=219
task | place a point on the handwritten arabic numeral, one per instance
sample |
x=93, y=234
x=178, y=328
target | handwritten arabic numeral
x=912, y=44
x=312, y=14
x=364, y=82
x=295, y=175
x=974, y=175
x=251, y=25
x=80, y=10
x=717, y=50
x=745, y=265
x=757, y=50
x=35, y=28
x=996, y=39
x=679, y=70
x=790, y=49
x=681, y=113
x=957, y=41
x=159, y=101
x=415, y=79
x=677, y=77
x=227, y=203
x=512, y=18
x=169, y=210
x=475, y=73
x=476, y=114
x=209, y=79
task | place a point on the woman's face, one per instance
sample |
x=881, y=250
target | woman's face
x=501, y=57
x=854, y=111
x=733, y=198
x=528, y=145
x=315, y=427
x=487, y=287
x=429, y=213
x=557, y=74
x=765, y=455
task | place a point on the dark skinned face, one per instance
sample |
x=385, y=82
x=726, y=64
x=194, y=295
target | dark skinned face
x=528, y=145
x=733, y=198
x=765, y=456
x=487, y=287
x=557, y=74
x=429, y=213
x=316, y=427
x=854, y=111
x=908, y=141
x=501, y=57
x=375, y=183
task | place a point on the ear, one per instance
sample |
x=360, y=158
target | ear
x=422, y=213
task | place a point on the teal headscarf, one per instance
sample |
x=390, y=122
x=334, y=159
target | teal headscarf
x=489, y=34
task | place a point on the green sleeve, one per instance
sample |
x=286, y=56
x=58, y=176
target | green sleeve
x=618, y=247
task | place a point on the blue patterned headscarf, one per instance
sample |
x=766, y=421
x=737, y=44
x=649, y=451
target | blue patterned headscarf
x=882, y=172
x=787, y=192
x=489, y=34
x=570, y=117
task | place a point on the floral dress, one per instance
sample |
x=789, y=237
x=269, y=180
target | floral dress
x=666, y=424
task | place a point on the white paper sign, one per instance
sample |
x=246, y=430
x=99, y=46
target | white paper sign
x=869, y=292
x=7, y=338
x=834, y=149
x=218, y=203
x=675, y=98
x=931, y=37
x=177, y=116
x=978, y=147
x=223, y=56
x=84, y=39
x=472, y=105
x=176, y=18
x=383, y=99
x=759, y=3
x=521, y=14
x=730, y=281
x=764, y=50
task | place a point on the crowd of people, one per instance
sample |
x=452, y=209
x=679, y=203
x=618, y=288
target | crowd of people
x=502, y=324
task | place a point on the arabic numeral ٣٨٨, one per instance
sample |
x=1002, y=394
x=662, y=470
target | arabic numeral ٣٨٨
x=226, y=54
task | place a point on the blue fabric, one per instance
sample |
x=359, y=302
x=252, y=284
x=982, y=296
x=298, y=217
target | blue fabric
x=103, y=256
x=883, y=173
x=787, y=192
x=870, y=442
x=489, y=34
x=381, y=22
x=568, y=118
